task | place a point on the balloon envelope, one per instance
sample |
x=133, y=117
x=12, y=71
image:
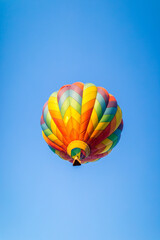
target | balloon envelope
x=81, y=122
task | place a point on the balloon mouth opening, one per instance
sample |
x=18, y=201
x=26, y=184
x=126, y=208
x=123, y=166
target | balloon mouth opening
x=78, y=150
x=76, y=161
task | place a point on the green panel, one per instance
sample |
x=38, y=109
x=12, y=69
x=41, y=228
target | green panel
x=107, y=118
x=65, y=106
x=114, y=144
x=75, y=151
x=53, y=150
x=54, y=94
x=48, y=120
x=113, y=137
x=47, y=132
x=98, y=109
x=70, y=102
x=75, y=105
x=88, y=85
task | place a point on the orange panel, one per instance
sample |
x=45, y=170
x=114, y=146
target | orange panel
x=86, y=116
x=90, y=128
x=74, y=135
x=79, y=84
x=88, y=106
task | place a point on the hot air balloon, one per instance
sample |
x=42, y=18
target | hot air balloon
x=81, y=123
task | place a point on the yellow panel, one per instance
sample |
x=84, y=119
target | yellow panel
x=88, y=97
x=118, y=117
x=71, y=112
x=66, y=119
x=53, y=100
x=107, y=148
x=107, y=141
x=53, y=126
x=102, y=125
x=94, y=118
x=67, y=115
x=76, y=115
x=89, y=89
x=53, y=106
x=52, y=137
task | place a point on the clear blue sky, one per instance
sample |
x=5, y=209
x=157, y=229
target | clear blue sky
x=44, y=45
